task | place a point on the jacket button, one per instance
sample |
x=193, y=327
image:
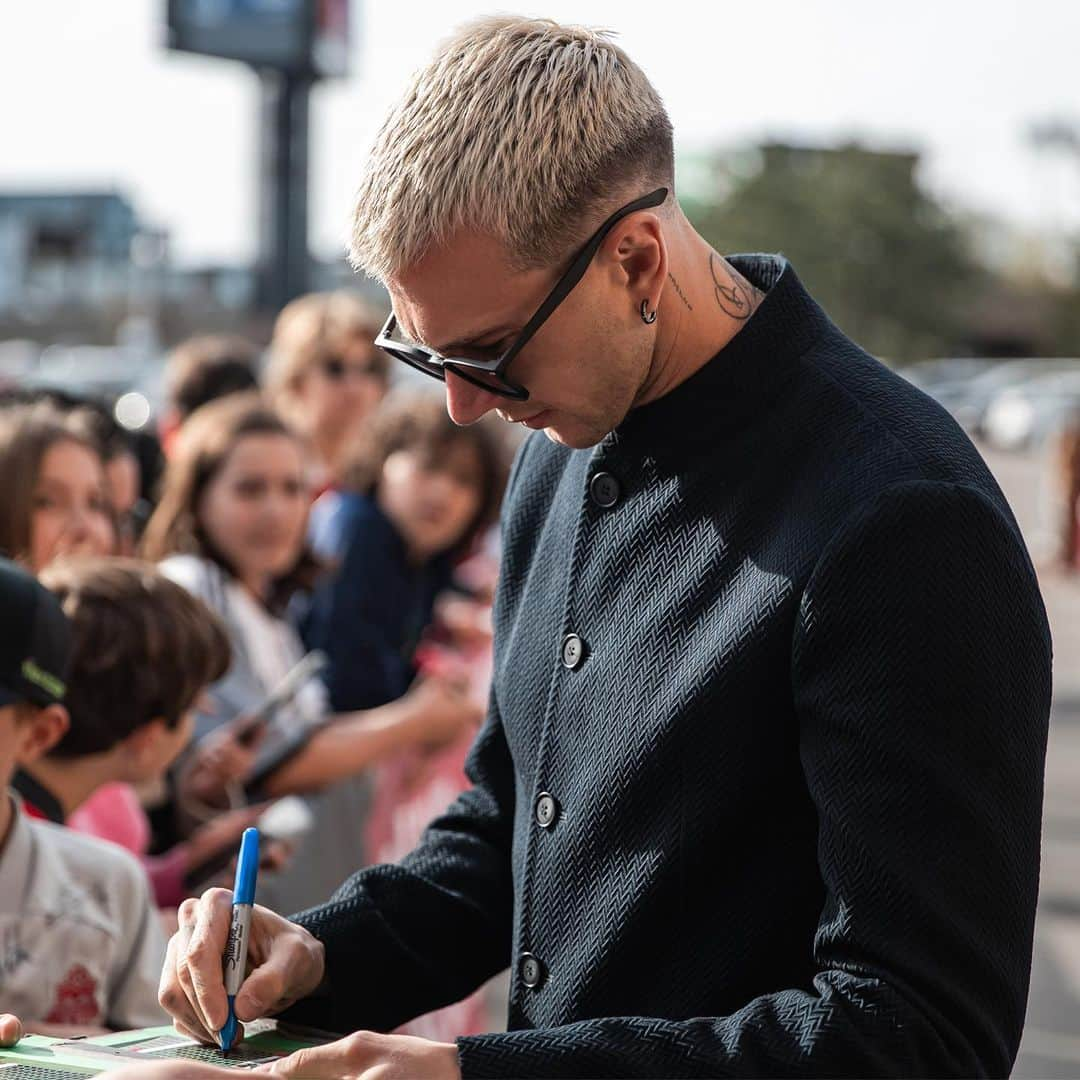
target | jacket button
x=532, y=970
x=604, y=490
x=573, y=651
x=547, y=809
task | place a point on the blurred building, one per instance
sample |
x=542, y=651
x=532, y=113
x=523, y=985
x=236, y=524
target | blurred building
x=83, y=266
x=59, y=248
x=82, y=270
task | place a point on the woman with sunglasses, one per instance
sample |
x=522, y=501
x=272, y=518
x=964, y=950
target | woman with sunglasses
x=325, y=376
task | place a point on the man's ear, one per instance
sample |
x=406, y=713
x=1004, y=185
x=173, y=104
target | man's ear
x=637, y=253
x=41, y=731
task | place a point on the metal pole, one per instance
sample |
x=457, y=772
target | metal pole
x=283, y=181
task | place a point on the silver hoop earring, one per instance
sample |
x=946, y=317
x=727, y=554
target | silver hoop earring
x=647, y=317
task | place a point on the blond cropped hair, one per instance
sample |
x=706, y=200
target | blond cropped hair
x=521, y=129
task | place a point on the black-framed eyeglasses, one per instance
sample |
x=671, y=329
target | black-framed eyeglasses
x=490, y=373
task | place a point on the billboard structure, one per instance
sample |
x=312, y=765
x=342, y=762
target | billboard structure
x=305, y=37
x=290, y=44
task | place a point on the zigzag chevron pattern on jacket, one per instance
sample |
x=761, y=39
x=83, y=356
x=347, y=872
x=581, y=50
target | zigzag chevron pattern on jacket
x=795, y=758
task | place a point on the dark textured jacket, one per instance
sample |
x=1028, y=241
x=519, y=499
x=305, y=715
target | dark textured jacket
x=793, y=757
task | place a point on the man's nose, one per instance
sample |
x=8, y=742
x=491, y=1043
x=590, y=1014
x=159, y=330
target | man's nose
x=465, y=402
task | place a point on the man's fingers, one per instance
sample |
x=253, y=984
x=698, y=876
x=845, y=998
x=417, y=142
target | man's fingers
x=189, y=1010
x=268, y=988
x=199, y=1034
x=192, y=1019
x=172, y=994
x=191, y=1013
x=11, y=1029
x=175, y=993
x=204, y=956
x=261, y=991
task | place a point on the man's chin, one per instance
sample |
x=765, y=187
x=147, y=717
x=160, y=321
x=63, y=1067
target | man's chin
x=574, y=439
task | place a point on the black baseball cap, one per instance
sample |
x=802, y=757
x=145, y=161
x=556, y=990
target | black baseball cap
x=35, y=640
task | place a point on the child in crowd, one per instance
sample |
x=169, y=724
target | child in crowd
x=418, y=492
x=325, y=376
x=55, y=492
x=80, y=945
x=231, y=527
x=56, y=503
x=203, y=369
x=143, y=652
x=123, y=467
x=128, y=463
x=421, y=493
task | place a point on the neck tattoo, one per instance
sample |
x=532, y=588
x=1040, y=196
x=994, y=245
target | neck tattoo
x=678, y=291
x=735, y=295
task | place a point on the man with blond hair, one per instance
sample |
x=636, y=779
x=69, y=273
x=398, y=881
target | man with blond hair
x=759, y=788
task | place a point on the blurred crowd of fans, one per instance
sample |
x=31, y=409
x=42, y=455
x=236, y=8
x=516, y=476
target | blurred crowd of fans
x=280, y=598
x=334, y=537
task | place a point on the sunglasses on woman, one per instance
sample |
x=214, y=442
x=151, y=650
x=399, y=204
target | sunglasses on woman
x=338, y=370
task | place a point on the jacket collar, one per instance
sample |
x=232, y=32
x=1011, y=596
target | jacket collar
x=738, y=382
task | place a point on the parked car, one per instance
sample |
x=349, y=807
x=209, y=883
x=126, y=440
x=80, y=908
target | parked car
x=967, y=386
x=1024, y=416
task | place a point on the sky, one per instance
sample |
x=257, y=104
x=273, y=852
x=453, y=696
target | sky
x=90, y=98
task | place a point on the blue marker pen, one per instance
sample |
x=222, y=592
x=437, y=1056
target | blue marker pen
x=235, y=960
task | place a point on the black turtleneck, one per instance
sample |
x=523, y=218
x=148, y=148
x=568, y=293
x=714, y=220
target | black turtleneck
x=759, y=791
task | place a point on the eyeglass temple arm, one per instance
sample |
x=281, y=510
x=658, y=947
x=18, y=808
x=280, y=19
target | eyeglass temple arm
x=577, y=268
x=566, y=283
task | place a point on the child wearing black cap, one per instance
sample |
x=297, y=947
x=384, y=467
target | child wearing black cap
x=143, y=650
x=81, y=947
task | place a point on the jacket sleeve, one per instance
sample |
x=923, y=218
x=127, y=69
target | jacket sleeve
x=404, y=939
x=921, y=682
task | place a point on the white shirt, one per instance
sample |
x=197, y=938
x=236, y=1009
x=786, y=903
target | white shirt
x=264, y=647
x=80, y=941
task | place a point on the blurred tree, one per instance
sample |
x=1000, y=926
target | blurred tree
x=1060, y=135
x=888, y=263
x=1066, y=324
